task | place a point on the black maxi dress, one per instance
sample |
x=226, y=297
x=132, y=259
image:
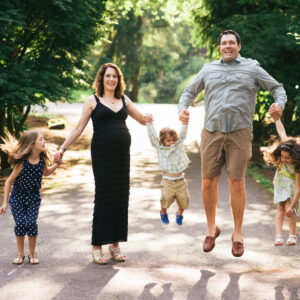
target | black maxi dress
x=110, y=150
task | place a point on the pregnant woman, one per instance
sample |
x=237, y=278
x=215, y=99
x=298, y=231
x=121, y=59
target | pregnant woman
x=110, y=150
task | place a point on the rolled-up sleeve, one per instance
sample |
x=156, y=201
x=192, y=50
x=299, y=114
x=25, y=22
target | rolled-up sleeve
x=267, y=82
x=191, y=91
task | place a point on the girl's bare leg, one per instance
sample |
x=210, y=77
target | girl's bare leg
x=31, y=244
x=20, y=244
x=291, y=221
x=279, y=218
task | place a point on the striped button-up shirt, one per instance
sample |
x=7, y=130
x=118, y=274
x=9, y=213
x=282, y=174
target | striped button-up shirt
x=171, y=159
x=230, y=93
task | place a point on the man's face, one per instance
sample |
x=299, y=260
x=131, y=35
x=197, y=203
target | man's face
x=229, y=47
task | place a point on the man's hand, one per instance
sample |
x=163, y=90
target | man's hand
x=275, y=111
x=184, y=116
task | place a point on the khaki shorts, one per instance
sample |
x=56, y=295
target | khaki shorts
x=174, y=189
x=233, y=150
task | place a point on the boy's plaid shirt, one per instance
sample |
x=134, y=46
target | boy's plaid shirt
x=171, y=159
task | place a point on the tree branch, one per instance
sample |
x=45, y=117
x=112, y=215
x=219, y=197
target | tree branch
x=25, y=116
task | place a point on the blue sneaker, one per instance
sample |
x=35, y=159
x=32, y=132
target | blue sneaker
x=164, y=218
x=179, y=219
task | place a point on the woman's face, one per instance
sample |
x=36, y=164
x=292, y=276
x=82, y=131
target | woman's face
x=286, y=157
x=110, y=80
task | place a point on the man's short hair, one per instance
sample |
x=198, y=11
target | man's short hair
x=229, y=31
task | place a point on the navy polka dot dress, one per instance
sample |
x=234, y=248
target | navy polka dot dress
x=25, y=198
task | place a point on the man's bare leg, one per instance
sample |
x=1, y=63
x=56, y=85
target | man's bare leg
x=210, y=199
x=237, y=202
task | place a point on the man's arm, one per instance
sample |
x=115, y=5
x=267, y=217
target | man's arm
x=267, y=82
x=191, y=92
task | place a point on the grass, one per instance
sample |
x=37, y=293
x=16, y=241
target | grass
x=255, y=173
x=45, y=115
x=53, y=185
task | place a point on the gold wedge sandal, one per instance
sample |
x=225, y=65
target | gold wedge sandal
x=115, y=254
x=98, y=257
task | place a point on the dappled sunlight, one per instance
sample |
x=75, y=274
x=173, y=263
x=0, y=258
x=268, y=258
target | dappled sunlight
x=35, y=286
x=162, y=261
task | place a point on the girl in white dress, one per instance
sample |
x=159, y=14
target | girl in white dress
x=285, y=156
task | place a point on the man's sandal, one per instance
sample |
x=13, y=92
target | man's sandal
x=98, y=257
x=278, y=240
x=292, y=240
x=33, y=260
x=115, y=254
x=19, y=260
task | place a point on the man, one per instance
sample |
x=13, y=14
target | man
x=230, y=87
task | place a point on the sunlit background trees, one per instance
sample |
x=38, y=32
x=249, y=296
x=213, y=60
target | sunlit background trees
x=51, y=50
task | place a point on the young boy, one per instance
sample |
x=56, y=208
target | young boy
x=172, y=161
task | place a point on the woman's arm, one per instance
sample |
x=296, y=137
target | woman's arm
x=280, y=130
x=87, y=109
x=296, y=197
x=134, y=112
x=8, y=183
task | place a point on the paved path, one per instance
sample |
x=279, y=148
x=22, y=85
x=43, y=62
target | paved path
x=163, y=261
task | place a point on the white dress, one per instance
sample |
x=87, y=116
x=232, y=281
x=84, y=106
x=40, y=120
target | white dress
x=284, y=185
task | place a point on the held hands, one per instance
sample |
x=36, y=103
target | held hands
x=58, y=156
x=184, y=116
x=3, y=208
x=275, y=111
x=148, y=118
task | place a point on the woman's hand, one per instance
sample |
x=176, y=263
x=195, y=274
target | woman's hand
x=148, y=118
x=59, y=155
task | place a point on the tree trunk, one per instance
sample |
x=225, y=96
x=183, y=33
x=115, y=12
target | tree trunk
x=4, y=158
x=135, y=85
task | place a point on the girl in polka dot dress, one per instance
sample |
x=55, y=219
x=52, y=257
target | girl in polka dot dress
x=285, y=156
x=30, y=157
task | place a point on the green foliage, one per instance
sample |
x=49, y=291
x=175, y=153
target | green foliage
x=152, y=43
x=80, y=95
x=270, y=33
x=255, y=173
x=43, y=44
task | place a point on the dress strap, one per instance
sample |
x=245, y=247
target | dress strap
x=97, y=99
x=123, y=100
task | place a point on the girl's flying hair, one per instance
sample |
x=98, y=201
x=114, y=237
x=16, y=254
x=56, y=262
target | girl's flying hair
x=272, y=153
x=18, y=151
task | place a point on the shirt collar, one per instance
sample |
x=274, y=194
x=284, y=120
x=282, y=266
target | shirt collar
x=237, y=59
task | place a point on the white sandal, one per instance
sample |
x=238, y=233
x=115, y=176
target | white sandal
x=278, y=240
x=292, y=239
x=115, y=254
x=98, y=257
